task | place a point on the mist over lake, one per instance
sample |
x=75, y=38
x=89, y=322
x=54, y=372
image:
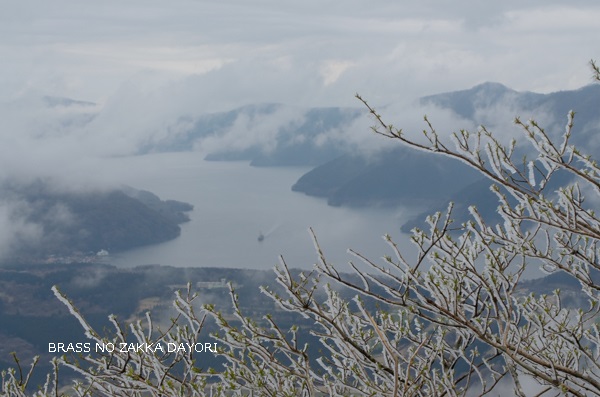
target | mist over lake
x=234, y=203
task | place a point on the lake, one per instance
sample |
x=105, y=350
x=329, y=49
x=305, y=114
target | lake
x=234, y=203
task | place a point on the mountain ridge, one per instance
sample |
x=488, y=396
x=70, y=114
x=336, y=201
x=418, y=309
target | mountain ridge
x=347, y=185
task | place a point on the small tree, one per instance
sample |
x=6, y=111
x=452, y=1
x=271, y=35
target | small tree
x=452, y=322
x=130, y=361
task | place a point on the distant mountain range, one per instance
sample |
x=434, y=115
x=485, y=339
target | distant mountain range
x=551, y=108
x=407, y=177
x=345, y=174
x=281, y=135
x=295, y=135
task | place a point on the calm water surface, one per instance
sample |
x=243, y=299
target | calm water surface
x=234, y=203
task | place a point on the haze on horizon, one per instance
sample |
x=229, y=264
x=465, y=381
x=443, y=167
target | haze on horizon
x=148, y=63
x=148, y=66
x=313, y=53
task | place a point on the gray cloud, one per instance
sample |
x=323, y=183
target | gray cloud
x=153, y=67
x=391, y=50
x=15, y=230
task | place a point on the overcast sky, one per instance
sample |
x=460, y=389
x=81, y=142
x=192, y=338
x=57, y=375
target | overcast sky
x=225, y=53
x=147, y=63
